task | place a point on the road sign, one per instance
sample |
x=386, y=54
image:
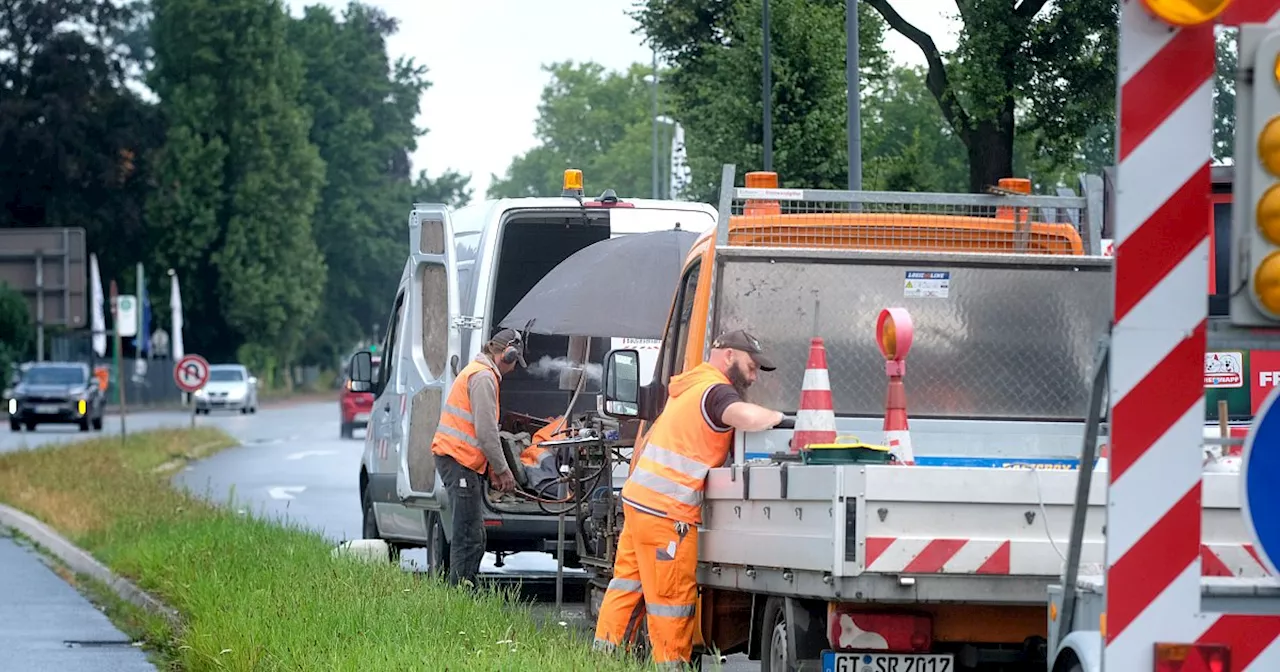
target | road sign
x=1260, y=469
x=191, y=373
x=126, y=319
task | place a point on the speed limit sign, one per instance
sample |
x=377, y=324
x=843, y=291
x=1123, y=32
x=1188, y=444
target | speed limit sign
x=191, y=373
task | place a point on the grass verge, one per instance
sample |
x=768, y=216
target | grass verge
x=256, y=594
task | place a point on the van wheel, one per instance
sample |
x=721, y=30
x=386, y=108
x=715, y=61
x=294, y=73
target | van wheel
x=774, y=654
x=437, y=547
x=370, y=526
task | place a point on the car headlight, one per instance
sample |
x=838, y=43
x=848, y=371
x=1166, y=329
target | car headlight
x=200, y=393
x=13, y=406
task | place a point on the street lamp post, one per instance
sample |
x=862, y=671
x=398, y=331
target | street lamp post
x=655, y=123
x=766, y=85
x=853, y=99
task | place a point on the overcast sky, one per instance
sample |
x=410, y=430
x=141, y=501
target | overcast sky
x=484, y=59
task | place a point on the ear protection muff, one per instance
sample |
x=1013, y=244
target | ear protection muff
x=512, y=353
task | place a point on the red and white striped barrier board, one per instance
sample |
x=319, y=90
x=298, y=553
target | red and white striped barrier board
x=1154, y=552
x=917, y=555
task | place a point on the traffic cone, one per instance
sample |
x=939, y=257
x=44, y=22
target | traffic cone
x=896, y=434
x=816, y=417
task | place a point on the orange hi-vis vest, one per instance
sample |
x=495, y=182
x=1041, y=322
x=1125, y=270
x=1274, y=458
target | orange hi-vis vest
x=669, y=478
x=456, y=433
x=535, y=453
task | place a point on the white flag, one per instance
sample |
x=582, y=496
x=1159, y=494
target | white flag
x=175, y=306
x=99, y=320
x=680, y=173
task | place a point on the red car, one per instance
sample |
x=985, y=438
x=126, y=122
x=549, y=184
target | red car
x=355, y=407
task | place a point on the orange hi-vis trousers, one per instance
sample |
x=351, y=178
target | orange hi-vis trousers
x=657, y=561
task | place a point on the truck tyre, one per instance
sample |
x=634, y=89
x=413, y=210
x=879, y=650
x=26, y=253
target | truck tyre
x=774, y=652
x=437, y=547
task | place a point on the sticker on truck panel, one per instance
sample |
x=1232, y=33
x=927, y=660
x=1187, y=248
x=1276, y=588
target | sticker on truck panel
x=887, y=662
x=927, y=284
x=1224, y=369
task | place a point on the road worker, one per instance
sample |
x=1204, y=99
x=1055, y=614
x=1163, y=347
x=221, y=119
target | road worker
x=466, y=445
x=657, y=557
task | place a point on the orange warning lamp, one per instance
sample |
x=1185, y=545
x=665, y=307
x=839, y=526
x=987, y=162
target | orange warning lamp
x=894, y=333
x=1186, y=12
x=572, y=184
x=761, y=179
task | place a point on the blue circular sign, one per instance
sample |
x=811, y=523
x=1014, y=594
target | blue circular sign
x=1260, y=471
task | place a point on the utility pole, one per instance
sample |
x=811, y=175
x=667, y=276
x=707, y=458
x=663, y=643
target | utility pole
x=766, y=94
x=854, y=100
x=655, y=123
x=115, y=324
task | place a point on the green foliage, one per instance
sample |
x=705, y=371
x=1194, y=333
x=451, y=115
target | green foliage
x=908, y=145
x=1050, y=70
x=73, y=138
x=239, y=180
x=1224, y=95
x=715, y=47
x=596, y=121
x=15, y=330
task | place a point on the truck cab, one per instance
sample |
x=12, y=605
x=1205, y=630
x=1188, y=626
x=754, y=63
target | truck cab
x=466, y=269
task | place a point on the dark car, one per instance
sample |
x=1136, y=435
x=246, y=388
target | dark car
x=61, y=393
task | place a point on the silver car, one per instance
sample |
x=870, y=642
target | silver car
x=231, y=387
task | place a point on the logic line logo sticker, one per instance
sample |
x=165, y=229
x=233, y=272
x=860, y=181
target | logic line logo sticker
x=1223, y=369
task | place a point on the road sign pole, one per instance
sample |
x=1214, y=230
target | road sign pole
x=115, y=324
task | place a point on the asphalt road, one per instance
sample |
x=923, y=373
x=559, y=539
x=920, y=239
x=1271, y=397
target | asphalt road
x=292, y=465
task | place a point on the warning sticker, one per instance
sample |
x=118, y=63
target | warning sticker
x=1224, y=369
x=927, y=284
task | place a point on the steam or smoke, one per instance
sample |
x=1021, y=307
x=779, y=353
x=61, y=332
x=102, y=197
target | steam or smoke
x=548, y=368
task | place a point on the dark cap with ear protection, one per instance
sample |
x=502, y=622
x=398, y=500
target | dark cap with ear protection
x=512, y=345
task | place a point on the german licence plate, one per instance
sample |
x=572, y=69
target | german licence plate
x=47, y=409
x=361, y=417
x=887, y=662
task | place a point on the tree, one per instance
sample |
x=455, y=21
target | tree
x=74, y=140
x=238, y=178
x=15, y=330
x=363, y=107
x=594, y=120
x=714, y=48
x=1060, y=60
x=909, y=145
x=1224, y=95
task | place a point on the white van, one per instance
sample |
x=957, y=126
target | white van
x=467, y=269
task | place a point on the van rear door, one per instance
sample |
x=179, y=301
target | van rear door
x=433, y=343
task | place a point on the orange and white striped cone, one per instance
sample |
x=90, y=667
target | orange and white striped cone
x=816, y=416
x=896, y=434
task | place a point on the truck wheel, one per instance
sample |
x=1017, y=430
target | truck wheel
x=437, y=547
x=774, y=654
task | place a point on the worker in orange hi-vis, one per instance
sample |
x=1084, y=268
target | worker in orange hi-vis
x=657, y=557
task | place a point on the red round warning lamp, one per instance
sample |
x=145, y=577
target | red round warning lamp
x=893, y=333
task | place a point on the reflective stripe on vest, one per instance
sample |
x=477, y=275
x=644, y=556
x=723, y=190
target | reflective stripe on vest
x=456, y=434
x=670, y=475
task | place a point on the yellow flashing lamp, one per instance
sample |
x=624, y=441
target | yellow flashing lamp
x=1186, y=13
x=572, y=184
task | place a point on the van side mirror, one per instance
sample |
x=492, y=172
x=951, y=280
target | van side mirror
x=621, y=394
x=362, y=371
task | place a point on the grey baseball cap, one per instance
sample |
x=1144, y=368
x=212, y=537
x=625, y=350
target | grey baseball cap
x=741, y=340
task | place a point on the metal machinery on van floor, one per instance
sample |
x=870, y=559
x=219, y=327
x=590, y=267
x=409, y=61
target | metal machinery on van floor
x=798, y=561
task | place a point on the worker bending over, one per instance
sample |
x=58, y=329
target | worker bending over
x=658, y=549
x=466, y=442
